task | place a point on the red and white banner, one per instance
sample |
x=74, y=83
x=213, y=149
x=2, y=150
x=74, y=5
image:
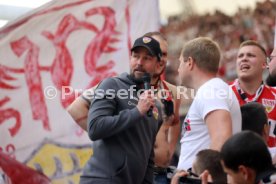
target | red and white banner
x=63, y=46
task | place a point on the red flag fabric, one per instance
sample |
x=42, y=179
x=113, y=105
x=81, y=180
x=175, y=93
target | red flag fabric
x=19, y=173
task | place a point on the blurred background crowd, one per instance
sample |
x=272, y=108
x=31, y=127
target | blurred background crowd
x=256, y=23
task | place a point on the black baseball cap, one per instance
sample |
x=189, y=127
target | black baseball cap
x=150, y=44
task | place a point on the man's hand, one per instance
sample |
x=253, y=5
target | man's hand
x=146, y=101
x=177, y=175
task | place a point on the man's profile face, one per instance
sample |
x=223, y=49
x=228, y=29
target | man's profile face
x=272, y=62
x=271, y=79
x=237, y=177
x=182, y=70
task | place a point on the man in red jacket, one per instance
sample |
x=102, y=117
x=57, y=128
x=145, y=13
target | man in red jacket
x=249, y=86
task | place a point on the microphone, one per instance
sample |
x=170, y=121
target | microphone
x=146, y=79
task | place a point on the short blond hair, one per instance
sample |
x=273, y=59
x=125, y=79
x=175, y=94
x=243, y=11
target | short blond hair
x=253, y=43
x=205, y=52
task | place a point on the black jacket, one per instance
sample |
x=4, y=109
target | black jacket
x=123, y=139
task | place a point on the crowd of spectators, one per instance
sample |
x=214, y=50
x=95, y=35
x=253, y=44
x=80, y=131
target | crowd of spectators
x=229, y=31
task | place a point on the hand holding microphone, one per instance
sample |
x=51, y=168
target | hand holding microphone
x=146, y=79
x=146, y=101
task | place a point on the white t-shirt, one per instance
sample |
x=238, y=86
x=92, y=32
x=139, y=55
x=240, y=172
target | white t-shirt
x=213, y=95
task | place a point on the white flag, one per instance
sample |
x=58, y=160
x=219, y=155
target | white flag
x=46, y=59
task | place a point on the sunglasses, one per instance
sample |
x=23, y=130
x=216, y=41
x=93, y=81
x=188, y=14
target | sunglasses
x=191, y=173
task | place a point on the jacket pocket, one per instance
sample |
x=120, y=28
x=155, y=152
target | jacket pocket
x=121, y=170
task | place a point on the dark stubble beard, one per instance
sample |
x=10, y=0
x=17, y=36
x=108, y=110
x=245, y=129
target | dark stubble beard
x=135, y=80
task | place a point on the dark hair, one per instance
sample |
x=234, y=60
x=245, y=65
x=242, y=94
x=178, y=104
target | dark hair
x=246, y=148
x=254, y=117
x=210, y=160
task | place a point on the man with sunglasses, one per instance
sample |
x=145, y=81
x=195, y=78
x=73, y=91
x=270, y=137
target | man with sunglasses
x=249, y=86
